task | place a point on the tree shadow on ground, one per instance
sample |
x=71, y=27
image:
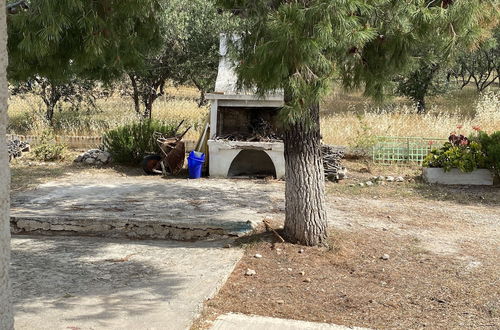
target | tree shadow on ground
x=96, y=279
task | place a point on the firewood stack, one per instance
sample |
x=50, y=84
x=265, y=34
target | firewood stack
x=332, y=161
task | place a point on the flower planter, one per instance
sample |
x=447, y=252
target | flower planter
x=482, y=177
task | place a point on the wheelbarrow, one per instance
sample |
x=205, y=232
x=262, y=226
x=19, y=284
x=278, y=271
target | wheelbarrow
x=171, y=157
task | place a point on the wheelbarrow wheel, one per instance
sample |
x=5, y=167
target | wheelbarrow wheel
x=149, y=163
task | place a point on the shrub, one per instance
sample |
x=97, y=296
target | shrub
x=128, y=144
x=491, y=149
x=459, y=153
x=48, y=149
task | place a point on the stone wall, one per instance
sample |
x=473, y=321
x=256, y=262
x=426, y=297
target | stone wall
x=6, y=316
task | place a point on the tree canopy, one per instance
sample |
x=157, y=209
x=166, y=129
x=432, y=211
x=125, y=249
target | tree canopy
x=303, y=45
x=59, y=38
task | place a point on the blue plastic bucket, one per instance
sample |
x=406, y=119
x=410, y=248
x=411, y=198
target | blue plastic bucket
x=195, y=164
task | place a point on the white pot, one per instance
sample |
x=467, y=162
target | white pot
x=482, y=177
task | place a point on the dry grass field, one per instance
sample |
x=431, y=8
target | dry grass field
x=348, y=118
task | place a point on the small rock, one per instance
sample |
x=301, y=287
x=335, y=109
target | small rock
x=250, y=272
x=400, y=179
x=380, y=178
x=78, y=159
x=280, y=301
x=389, y=179
x=301, y=251
x=342, y=174
x=385, y=257
x=103, y=158
x=302, y=273
x=227, y=246
x=361, y=184
x=258, y=256
x=106, y=277
x=289, y=269
x=307, y=280
x=374, y=178
x=351, y=185
x=89, y=161
x=369, y=183
x=389, y=217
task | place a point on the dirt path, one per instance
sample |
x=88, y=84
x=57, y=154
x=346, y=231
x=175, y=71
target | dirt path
x=441, y=227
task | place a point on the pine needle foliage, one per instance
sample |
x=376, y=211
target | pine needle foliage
x=302, y=46
x=58, y=39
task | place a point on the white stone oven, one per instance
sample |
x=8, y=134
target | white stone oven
x=244, y=129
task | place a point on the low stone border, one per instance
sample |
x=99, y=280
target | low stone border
x=124, y=228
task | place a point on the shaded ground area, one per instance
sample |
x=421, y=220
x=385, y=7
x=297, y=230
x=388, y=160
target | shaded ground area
x=441, y=271
x=92, y=283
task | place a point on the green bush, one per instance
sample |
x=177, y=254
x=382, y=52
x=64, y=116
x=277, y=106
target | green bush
x=128, y=144
x=459, y=152
x=491, y=149
x=48, y=149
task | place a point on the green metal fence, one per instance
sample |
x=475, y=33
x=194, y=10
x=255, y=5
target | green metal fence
x=403, y=150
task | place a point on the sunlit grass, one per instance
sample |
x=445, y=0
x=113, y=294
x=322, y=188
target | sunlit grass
x=346, y=117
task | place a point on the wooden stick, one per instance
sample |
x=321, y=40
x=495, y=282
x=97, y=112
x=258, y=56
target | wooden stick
x=269, y=228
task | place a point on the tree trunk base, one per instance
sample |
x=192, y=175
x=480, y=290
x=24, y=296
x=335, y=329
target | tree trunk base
x=306, y=218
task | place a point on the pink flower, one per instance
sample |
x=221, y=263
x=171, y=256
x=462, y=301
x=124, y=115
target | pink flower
x=431, y=143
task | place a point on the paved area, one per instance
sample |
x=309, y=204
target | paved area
x=146, y=207
x=252, y=322
x=96, y=283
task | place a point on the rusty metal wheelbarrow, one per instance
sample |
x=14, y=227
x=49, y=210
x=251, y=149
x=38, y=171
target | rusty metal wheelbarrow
x=173, y=154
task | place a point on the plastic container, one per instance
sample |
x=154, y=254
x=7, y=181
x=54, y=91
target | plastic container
x=195, y=164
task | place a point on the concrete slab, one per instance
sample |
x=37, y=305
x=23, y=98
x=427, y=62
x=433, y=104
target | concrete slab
x=96, y=283
x=145, y=207
x=252, y=322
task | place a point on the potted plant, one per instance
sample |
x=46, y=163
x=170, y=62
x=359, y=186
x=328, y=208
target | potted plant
x=461, y=161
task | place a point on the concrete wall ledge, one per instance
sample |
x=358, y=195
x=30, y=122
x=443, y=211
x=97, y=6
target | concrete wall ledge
x=480, y=177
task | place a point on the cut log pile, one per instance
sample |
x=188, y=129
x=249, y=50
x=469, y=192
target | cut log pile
x=332, y=162
x=15, y=148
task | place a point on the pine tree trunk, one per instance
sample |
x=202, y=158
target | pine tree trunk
x=306, y=218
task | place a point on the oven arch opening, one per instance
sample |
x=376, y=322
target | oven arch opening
x=252, y=163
